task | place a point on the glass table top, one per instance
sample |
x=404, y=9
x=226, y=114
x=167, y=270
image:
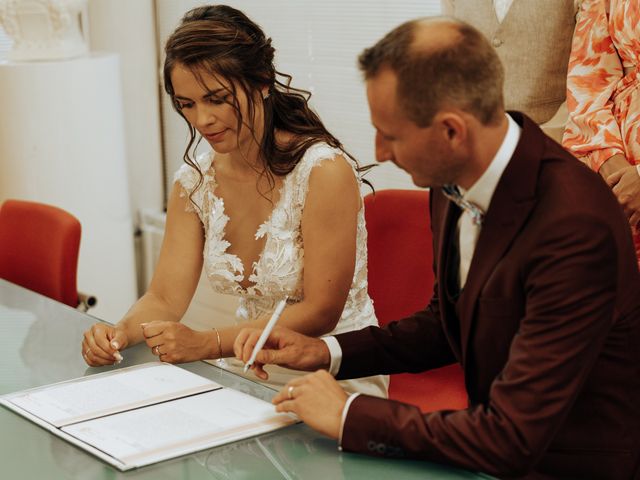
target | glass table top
x=40, y=344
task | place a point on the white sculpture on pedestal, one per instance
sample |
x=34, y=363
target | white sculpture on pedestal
x=45, y=29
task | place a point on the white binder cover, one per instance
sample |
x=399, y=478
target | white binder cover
x=144, y=414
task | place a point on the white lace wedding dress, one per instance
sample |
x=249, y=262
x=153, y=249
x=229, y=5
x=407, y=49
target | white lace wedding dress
x=279, y=269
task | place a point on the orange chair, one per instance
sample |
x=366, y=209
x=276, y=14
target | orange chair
x=401, y=282
x=39, y=247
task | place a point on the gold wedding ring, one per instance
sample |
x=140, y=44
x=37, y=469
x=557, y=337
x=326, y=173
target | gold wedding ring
x=157, y=349
x=290, y=392
x=87, y=352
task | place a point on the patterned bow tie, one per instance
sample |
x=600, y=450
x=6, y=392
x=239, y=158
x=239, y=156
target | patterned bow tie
x=453, y=194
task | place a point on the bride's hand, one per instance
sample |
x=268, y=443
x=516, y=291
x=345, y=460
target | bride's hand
x=100, y=344
x=174, y=342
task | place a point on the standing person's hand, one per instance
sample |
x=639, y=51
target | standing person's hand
x=284, y=347
x=101, y=343
x=174, y=342
x=317, y=399
x=625, y=184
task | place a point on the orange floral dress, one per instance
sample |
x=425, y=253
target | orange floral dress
x=603, y=84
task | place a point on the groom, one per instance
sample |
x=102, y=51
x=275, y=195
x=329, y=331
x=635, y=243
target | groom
x=537, y=295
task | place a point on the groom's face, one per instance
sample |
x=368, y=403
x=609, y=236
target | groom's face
x=421, y=151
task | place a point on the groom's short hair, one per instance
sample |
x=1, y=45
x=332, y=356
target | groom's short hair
x=459, y=68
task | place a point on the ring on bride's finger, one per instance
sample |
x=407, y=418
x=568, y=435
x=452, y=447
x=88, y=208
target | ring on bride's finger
x=290, y=392
x=87, y=352
x=157, y=349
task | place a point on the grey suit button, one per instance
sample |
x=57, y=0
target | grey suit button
x=496, y=42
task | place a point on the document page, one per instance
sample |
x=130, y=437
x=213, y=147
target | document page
x=103, y=394
x=158, y=432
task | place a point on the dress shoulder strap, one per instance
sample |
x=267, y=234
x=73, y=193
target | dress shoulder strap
x=188, y=178
x=314, y=156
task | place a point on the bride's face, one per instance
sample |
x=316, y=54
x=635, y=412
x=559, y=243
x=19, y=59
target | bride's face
x=209, y=105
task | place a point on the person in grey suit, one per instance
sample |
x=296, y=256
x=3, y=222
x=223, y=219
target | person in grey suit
x=537, y=290
x=533, y=41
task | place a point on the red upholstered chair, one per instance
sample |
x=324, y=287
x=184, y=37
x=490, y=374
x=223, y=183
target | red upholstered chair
x=39, y=247
x=401, y=282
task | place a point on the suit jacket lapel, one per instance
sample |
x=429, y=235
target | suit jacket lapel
x=512, y=201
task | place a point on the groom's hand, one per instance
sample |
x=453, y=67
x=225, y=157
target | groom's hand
x=317, y=399
x=285, y=348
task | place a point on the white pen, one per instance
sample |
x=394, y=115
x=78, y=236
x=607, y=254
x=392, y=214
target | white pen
x=266, y=332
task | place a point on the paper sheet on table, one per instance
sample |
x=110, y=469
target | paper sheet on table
x=140, y=415
x=116, y=391
x=148, y=435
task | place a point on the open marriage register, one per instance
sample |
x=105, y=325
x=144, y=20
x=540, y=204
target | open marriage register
x=144, y=414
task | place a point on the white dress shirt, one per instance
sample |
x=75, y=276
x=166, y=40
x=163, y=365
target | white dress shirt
x=480, y=194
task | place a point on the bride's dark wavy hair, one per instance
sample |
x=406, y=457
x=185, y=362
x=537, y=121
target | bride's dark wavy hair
x=224, y=42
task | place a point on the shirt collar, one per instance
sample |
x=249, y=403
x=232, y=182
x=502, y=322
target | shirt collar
x=482, y=190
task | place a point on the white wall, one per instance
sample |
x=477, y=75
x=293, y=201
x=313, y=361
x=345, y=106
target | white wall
x=127, y=27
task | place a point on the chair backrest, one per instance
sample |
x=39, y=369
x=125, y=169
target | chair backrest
x=39, y=247
x=400, y=258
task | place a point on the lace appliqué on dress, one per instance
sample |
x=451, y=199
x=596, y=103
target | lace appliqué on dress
x=279, y=268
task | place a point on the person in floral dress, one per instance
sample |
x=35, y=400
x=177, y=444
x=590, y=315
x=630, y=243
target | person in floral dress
x=603, y=97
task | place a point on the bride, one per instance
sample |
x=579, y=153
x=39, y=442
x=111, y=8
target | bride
x=275, y=210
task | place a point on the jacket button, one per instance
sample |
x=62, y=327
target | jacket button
x=496, y=42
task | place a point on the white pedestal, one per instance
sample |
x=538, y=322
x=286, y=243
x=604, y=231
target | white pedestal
x=62, y=142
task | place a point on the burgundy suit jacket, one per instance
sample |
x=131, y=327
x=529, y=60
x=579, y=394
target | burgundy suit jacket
x=547, y=329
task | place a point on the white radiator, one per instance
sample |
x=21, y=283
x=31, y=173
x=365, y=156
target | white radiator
x=152, y=227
